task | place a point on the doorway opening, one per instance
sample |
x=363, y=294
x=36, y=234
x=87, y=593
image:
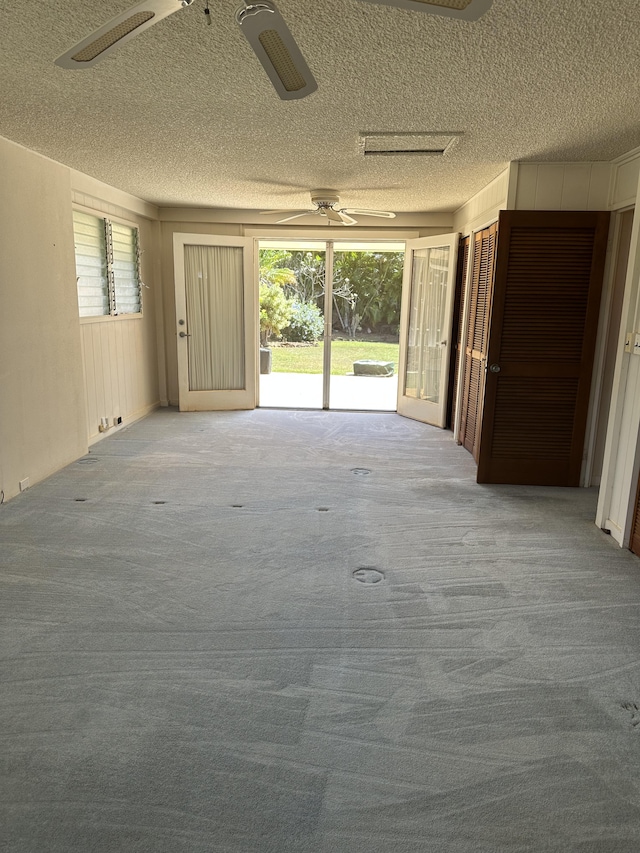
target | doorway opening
x=329, y=324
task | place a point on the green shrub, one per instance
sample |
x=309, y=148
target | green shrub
x=275, y=311
x=306, y=323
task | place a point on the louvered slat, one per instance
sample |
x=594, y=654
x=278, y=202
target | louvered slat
x=473, y=399
x=551, y=306
x=91, y=265
x=125, y=268
x=533, y=420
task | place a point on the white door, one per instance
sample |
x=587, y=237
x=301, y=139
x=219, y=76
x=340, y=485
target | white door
x=216, y=322
x=425, y=327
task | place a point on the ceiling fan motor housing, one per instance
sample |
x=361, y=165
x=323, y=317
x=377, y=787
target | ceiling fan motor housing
x=324, y=198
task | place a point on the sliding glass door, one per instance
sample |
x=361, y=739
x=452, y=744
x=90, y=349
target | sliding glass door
x=338, y=348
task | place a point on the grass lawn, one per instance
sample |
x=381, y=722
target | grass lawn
x=343, y=354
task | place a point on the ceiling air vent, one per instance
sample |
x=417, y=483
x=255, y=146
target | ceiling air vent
x=436, y=143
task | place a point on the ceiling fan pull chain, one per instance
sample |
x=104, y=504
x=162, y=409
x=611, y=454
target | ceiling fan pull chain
x=207, y=12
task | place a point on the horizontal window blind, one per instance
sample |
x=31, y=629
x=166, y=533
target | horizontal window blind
x=126, y=279
x=91, y=265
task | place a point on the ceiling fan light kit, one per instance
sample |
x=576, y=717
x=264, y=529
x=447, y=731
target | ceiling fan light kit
x=325, y=205
x=465, y=10
x=117, y=31
x=272, y=42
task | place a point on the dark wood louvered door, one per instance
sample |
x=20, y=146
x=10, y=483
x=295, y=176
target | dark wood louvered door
x=634, y=544
x=476, y=337
x=546, y=298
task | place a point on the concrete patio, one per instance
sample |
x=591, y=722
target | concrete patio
x=349, y=393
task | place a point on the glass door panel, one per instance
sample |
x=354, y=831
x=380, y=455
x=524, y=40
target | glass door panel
x=429, y=279
x=367, y=286
x=292, y=295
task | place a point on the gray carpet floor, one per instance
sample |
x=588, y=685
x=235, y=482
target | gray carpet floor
x=307, y=632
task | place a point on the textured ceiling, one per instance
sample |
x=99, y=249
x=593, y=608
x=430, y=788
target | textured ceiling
x=184, y=114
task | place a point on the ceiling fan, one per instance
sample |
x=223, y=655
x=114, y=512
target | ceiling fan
x=263, y=26
x=325, y=205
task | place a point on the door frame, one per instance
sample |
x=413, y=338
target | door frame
x=245, y=398
x=493, y=468
x=607, y=342
x=621, y=465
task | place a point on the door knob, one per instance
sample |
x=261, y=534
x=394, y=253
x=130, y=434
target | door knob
x=184, y=335
x=494, y=368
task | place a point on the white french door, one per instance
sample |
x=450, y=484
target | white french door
x=425, y=327
x=217, y=326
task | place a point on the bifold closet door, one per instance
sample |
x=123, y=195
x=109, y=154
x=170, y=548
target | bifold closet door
x=481, y=286
x=541, y=343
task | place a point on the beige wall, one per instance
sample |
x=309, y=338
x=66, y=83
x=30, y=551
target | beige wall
x=563, y=186
x=42, y=406
x=624, y=180
x=484, y=207
x=119, y=354
x=122, y=357
x=58, y=374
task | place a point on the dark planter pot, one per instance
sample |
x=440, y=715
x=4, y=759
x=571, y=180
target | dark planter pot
x=265, y=360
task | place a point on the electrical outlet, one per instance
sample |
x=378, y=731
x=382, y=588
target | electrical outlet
x=117, y=421
x=628, y=342
x=24, y=484
x=636, y=344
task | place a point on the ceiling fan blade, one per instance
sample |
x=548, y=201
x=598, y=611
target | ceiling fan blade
x=297, y=216
x=274, y=212
x=387, y=214
x=331, y=214
x=466, y=10
x=272, y=42
x=117, y=31
x=346, y=220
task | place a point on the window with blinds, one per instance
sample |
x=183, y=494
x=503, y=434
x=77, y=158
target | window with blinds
x=126, y=277
x=91, y=265
x=107, y=266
